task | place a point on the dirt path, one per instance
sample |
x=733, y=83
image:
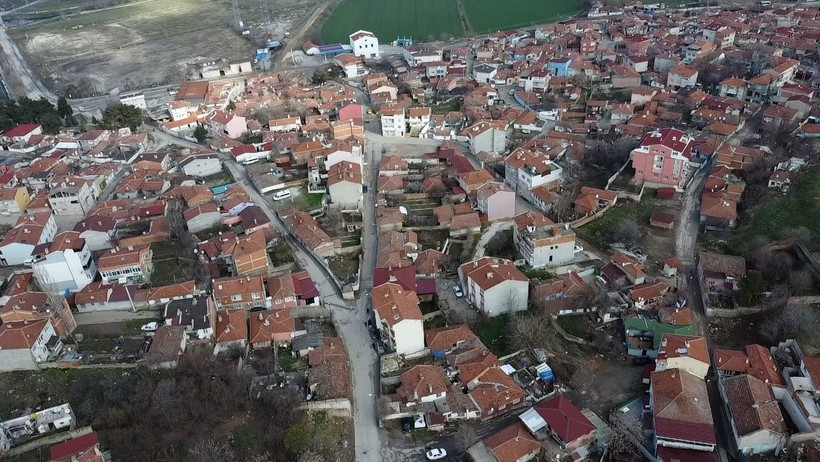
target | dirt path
x=301, y=35
x=465, y=23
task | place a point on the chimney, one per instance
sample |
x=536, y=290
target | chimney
x=489, y=275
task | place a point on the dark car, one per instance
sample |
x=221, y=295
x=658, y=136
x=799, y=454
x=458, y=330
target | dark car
x=406, y=424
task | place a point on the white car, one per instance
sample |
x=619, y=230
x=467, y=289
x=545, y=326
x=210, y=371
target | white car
x=150, y=327
x=578, y=248
x=436, y=454
x=282, y=195
x=457, y=291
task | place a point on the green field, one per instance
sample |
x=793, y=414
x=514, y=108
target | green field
x=488, y=16
x=428, y=20
x=423, y=20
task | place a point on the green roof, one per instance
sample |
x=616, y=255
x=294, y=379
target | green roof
x=657, y=329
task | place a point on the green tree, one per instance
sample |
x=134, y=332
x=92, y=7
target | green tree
x=63, y=108
x=200, y=133
x=51, y=122
x=751, y=288
x=121, y=116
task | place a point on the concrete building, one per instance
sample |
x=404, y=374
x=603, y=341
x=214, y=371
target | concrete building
x=393, y=121
x=365, y=44
x=126, y=266
x=29, y=231
x=344, y=184
x=662, y=158
x=13, y=201
x=496, y=200
x=201, y=165
x=67, y=264
x=541, y=242
x=73, y=196
x=494, y=285
x=24, y=345
x=398, y=318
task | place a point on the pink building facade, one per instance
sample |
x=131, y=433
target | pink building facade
x=661, y=159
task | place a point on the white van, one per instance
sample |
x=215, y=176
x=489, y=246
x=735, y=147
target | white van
x=282, y=195
x=250, y=161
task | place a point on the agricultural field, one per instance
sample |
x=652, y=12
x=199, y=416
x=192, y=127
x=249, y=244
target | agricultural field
x=423, y=20
x=88, y=47
x=487, y=16
x=428, y=20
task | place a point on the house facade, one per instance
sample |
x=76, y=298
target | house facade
x=494, y=285
x=365, y=44
x=24, y=345
x=398, y=318
x=126, y=266
x=541, y=242
x=662, y=158
x=67, y=265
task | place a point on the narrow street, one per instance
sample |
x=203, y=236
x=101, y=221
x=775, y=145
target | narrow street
x=350, y=321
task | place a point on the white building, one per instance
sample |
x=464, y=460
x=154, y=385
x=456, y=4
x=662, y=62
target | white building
x=398, y=318
x=484, y=73
x=201, y=165
x=74, y=196
x=344, y=183
x=540, y=242
x=134, y=99
x=393, y=121
x=494, y=285
x=365, y=44
x=29, y=231
x=26, y=344
x=67, y=265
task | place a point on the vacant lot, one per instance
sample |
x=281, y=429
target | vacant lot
x=422, y=20
x=90, y=48
x=776, y=212
x=488, y=16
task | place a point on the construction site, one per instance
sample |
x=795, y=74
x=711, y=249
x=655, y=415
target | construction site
x=94, y=47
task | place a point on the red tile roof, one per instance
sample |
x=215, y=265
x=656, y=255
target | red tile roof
x=74, y=446
x=512, y=443
x=682, y=409
x=564, y=419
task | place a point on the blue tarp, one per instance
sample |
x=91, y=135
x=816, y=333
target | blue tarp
x=545, y=372
x=217, y=190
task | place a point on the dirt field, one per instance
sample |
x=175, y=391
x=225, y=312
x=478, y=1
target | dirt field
x=144, y=43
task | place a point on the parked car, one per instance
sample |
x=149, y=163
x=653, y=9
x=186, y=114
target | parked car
x=578, y=249
x=457, y=291
x=281, y=195
x=150, y=327
x=406, y=424
x=436, y=454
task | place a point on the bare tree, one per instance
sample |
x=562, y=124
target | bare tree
x=800, y=281
x=333, y=220
x=466, y=435
x=626, y=232
x=789, y=322
x=414, y=187
x=526, y=331
x=311, y=456
x=209, y=450
x=512, y=302
x=192, y=267
x=561, y=207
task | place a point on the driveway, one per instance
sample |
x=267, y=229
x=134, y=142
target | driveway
x=487, y=236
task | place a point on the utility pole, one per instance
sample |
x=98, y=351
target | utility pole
x=265, y=12
x=237, y=19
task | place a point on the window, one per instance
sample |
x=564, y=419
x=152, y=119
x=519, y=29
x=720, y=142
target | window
x=236, y=298
x=255, y=296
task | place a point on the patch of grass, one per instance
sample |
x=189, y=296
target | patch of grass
x=23, y=390
x=286, y=360
x=435, y=323
x=212, y=232
x=486, y=16
x=598, y=231
x=575, y=325
x=778, y=212
x=444, y=108
x=218, y=179
x=540, y=274
x=246, y=438
x=345, y=267
x=492, y=333
x=501, y=245
x=420, y=19
x=307, y=201
x=423, y=436
x=167, y=265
